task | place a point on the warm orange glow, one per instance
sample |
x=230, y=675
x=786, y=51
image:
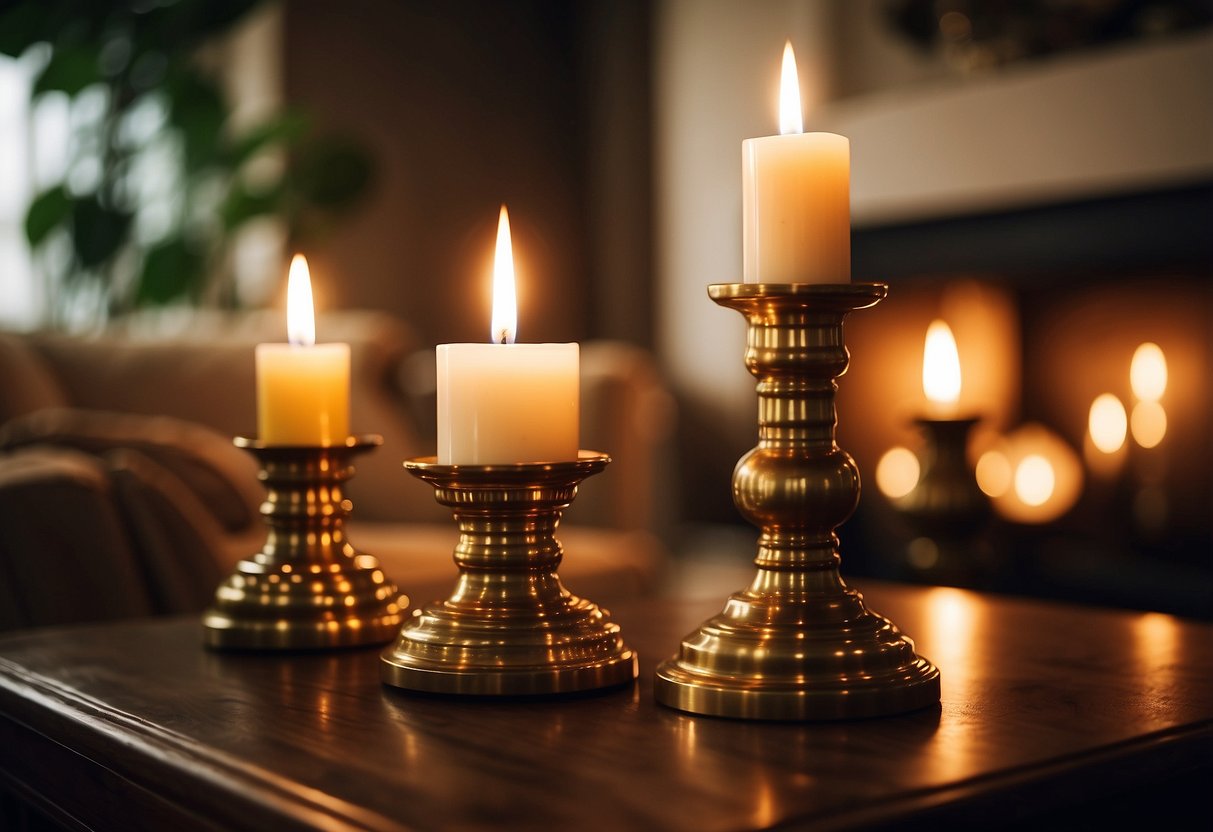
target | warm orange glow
x=1046, y=476
x=1107, y=423
x=897, y=473
x=505, y=298
x=1034, y=480
x=791, y=119
x=1149, y=423
x=300, y=313
x=940, y=365
x=993, y=473
x=1148, y=373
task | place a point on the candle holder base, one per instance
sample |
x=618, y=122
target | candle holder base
x=510, y=628
x=308, y=588
x=798, y=644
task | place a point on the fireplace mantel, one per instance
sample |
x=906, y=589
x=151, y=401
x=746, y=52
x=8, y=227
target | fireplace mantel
x=1119, y=120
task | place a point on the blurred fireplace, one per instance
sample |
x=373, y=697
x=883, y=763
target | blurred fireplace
x=1048, y=305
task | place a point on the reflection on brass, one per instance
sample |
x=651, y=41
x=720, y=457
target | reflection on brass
x=510, y=627
x=308, y=588
x=798, y=643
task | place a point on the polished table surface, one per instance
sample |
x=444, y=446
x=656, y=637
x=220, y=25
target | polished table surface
x=1048, y=712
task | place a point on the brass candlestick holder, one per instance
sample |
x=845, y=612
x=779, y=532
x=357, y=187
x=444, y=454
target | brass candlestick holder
x=510, y=627
x=798, y=643
x=946, y=501
x=307, y=588
x=946, y=510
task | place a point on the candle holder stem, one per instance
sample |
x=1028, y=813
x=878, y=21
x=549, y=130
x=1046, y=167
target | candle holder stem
x=510, y=627
x=798, y=643
x=307, y=588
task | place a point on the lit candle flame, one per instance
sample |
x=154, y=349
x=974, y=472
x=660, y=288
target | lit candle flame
x=1148, y=372
x=1107, y=423
x=791, y=119
x=505, y=303
x=940, y=365
x=300, y=313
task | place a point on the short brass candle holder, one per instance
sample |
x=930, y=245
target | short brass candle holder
x=308, y=588
x=946, y=501
x=510, y=627
x=946, y=510
x=798, y=644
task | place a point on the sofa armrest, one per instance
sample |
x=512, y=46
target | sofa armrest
x=65, y=555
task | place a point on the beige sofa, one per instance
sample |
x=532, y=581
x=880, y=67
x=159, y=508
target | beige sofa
x=121, y=493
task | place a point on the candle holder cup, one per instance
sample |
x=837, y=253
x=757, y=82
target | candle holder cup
x=797, y=644
x=946, y=506
x=308, y=588
x=510, y=627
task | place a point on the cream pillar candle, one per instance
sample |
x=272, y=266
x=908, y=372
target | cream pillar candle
x=503, y=402
x=303, y=388
x=796, y=200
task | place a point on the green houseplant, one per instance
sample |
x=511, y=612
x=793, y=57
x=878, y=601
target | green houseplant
x=147, y=115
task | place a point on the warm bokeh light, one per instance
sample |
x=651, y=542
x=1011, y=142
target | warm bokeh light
x=1107, y=423
x=1046, y=475
x=1148, y=423
x=940, y=365
x=1148, y=373
x=897, y=473
x=505, y=302
x=791, y=119
x=300, y=312
x=1034, y=480
x=993, y=473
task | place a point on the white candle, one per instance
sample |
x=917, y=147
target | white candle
x=303, y=388
x=502, y=403
x=796, y=200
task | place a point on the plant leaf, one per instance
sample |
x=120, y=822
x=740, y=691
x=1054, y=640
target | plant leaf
x=70, y=70
x=332, y=173
x=284, y=129
x=242, y=204
x=48, y=211
x=21, y=26
x=197, y=108
x=97, y=231
x=171, y=270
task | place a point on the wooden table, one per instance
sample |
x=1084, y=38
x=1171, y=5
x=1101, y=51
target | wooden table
x=1050, y=714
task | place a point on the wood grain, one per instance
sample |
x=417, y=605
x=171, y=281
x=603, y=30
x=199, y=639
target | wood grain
x=1045, y=709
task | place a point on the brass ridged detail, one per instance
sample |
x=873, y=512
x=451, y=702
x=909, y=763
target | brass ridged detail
x=308, y=588
x=509, y=627
x=797, y=644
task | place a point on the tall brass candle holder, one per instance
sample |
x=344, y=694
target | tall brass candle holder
x=510, y=627
x=798, y=644
x=308, y=588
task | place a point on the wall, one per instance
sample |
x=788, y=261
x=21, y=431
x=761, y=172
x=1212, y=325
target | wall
x=465, y=106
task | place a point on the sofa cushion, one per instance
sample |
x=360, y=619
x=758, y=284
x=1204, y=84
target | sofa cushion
x=29, y=383
x=222, y=477
x=207, y=375
x=176, y=540
x=64, y=553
